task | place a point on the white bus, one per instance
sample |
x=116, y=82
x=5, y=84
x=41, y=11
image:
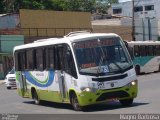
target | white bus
x=80, y=69
x=146, y=55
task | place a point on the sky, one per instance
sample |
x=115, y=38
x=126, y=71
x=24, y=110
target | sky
x=124, y=0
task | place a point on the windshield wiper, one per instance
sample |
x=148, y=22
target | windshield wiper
x=121, y=70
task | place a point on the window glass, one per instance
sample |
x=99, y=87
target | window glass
x=50, y=57
x=136, y=51
x=157, y=50
x=39, y=59
x=117, y=11
x=142, y=50
x=20, y=61
x=150, y=50
x=149, y=7
x=138, y=9
x=30, y=61
x=69, y=64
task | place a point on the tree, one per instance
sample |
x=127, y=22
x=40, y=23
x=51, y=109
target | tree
x=103, y=5
x=1, y=6
x=7, y=6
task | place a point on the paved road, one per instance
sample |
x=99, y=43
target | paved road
x=148, y=101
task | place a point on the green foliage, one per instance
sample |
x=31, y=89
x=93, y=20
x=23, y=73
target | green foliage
x=103, y=5
x=59, y=5
x=1, y=6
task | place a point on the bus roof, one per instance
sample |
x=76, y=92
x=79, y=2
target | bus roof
x=132, y=43
x=69, y=39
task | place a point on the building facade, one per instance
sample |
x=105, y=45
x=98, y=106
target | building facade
x=10, y=36
x=142, y=9
x=146, y=17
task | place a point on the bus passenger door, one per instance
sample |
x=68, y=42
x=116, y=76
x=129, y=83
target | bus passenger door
x=23, y=83
x=60, y=71
x=21, y=67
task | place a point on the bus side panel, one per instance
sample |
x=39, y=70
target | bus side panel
x=45, y=83
x=22, y=84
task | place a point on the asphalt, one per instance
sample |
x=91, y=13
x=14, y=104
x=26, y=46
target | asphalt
x=2, y=82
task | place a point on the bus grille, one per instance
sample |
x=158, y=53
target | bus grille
x=110, y=78
x=112, y=95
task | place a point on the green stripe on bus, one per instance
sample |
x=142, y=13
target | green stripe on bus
x=142, y=60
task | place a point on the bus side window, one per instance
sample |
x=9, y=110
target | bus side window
x=69, y=64
x=142, y=50
x=39, y=64
x=157, y=50
x=20, y=61
x=50, y=58
x=154, y=50
x=150, y=50
x=136, y=51
x=30, y=60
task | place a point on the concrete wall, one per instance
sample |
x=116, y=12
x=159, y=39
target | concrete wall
x=9, y=21
x=123, y=31
x=53, y=23
x=127, y=8
x=7, y=42
x=146, y=29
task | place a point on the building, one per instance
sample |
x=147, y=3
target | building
x=147, y=17
x=10, y=36
x=142, y=9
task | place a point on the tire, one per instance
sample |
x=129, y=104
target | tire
x=127, y=102
x=8, y=88
x=137, y=69
x=75, y=103
x=159, y=68
x=35, y=98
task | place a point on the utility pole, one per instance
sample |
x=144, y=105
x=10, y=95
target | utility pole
x=133, y=22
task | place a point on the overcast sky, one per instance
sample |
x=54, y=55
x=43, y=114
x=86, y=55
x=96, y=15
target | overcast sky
x=124, y=0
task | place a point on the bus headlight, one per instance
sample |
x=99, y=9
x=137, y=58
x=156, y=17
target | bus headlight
x=86, y=89
x=133, y=83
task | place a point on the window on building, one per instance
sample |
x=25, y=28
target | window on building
x=149, y=7
x=117, y=10
x=138, y=9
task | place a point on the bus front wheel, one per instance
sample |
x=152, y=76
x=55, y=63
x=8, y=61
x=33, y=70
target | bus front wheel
x=126, y=102
x=75, y=103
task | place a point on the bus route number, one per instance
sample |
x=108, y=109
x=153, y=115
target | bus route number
x=100, y=85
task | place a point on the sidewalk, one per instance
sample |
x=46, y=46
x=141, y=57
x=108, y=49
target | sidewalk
x=2, y=82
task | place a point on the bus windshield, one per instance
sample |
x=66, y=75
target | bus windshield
x=102, y=56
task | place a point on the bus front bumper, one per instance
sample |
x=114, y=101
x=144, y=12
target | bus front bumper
x=89, y=97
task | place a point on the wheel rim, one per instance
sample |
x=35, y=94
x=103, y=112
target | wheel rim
x=36, y=98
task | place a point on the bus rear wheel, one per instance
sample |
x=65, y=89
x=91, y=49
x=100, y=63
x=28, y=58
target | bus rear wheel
x=35, y=98
x=75, y=103
x=127, y=102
